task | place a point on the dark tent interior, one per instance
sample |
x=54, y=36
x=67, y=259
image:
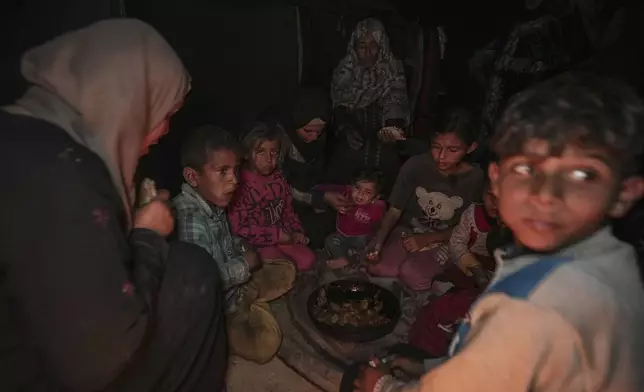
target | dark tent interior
x=246, y=56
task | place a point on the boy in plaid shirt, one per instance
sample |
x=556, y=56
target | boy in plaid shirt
x=210, y=158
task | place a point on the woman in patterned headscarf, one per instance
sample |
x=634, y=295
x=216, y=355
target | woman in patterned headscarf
x=368, y=92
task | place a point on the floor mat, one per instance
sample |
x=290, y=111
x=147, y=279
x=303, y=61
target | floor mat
x=298, y=354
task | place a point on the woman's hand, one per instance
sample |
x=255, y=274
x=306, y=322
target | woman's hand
x=416, y=242
x=390, y=134
x=338, y=201
x=481, y=277
x=156, y=215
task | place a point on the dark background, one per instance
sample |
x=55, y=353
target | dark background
x=243, y=55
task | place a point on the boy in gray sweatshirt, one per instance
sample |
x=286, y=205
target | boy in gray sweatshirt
x=565, y=310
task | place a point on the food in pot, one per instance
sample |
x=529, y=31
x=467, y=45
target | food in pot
x=356, y=313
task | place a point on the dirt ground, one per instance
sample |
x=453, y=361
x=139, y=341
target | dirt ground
x=244, y=376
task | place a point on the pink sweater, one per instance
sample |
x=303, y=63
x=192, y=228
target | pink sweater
x=359, y=220
x=262, y=206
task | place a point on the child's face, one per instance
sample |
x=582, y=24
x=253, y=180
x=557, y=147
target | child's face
x=217, y=181
x=264, y=157
x=448, y=151
x=311, y=131
x=553, y=201
x=364, y=192
x=489, y=203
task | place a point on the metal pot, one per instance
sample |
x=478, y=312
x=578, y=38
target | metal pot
x=355, y=290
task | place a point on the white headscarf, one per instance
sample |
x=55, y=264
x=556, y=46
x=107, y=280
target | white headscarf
x=107, y=86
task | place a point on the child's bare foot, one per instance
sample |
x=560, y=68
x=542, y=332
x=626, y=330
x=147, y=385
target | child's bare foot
x=338, y=263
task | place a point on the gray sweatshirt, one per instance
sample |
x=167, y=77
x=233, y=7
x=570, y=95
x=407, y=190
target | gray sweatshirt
x=577, y=327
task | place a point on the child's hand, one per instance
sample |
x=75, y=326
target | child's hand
x=372, y=251
x=416, y=242
x=409, y=366
x=252, y=259
x=284, y=238
x=368, y=378
x=480, y=276
x=300, y=238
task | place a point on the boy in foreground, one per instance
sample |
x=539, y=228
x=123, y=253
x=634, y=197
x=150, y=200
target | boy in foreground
x=565, y=311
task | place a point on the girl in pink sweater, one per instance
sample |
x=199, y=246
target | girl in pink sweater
x=262, y=209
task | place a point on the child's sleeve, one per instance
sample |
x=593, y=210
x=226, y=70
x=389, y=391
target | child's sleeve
x=330, y=188
x=234, y=270
x=246, y=222
x=513, y=346
x=459, y=242
x=290, y=220
x=190, y=228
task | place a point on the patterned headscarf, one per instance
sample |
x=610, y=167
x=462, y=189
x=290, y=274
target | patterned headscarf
x=357, y=86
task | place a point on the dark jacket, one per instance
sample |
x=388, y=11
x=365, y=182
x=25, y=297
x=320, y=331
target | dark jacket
x=77, y=294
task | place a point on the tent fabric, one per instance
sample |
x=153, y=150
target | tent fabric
x=241, y=61
x=27, y=23
x=245, y=60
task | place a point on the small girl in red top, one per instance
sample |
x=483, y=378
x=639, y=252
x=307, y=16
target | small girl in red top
x=356, y=224
x=468, y=243
x=262, y=209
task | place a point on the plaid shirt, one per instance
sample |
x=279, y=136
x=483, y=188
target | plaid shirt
x=204, y=224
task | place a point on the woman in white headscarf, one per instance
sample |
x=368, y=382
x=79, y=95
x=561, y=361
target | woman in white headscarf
x=368, y=92
x=92, y=297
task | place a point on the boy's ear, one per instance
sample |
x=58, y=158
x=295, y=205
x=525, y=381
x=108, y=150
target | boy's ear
x=472, y=147
x=632, y=190
x=493, y=173
x=191, y=176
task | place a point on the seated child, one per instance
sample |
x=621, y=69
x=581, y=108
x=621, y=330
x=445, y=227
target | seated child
x=357, y=223
x=565, y=311
x=430, y=193
x=262, y=209
x=305, y=121
x=210, y=162
x=468, y=243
